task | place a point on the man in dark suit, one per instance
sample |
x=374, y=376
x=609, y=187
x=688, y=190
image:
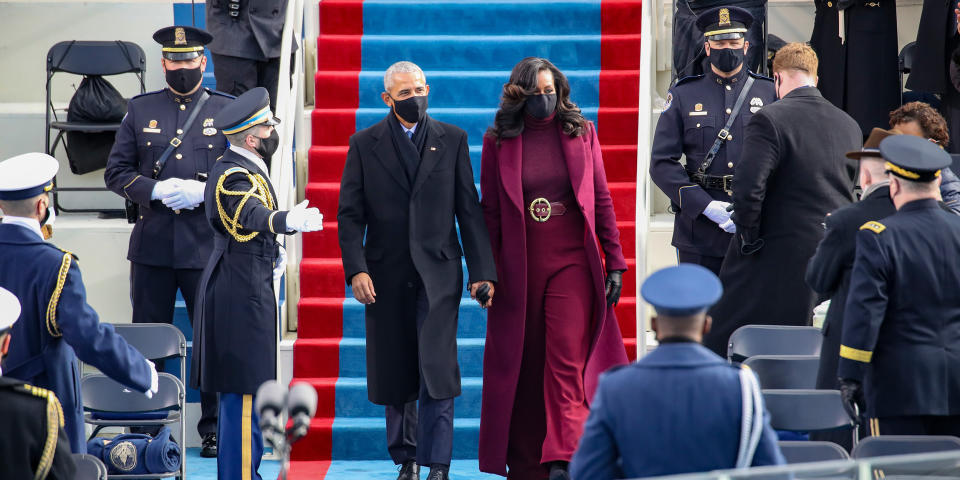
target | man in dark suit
x=405, y=181
x=901, y=331
x=828, y=272
x=681, y=387
x=792, y=173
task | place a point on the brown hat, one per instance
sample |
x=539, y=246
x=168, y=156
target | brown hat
x=871, y=148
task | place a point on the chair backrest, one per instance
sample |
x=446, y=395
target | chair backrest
x=102, y=394
x=82, y=57
x=154, y=340
x=750, y=340
x=785, y=371
x=803, y=452
x=806, y=410
x=906, y=57
x=955, y=166
x=884, y=445
x=89, y=467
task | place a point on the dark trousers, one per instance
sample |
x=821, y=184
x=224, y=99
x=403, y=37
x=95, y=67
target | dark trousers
x=689, y=57
x=240, y=442
x=153, y=291
x=712, y=263
x=236, y=75
x=915, y=425
x=421, y=430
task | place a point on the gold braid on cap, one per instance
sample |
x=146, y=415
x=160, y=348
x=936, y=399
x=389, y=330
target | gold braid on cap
x=258, y=190
x=52, y=326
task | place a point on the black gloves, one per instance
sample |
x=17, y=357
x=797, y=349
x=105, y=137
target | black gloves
x=852, y=394
x=613, y=285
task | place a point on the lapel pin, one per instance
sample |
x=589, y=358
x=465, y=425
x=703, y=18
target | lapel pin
x=433, y=149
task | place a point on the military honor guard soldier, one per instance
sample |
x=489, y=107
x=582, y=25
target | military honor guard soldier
x=703, y=120
x=32, y=441
x=235, y=333
x=163, y=153
x=57, y=326
x=900, y=350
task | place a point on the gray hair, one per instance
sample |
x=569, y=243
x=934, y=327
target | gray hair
x=400, y=67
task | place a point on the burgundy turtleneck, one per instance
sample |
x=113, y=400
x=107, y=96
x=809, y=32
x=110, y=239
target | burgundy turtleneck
x=543, y=168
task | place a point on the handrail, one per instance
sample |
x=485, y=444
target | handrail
x=648, y=75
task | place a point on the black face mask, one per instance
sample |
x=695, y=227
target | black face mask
x=541, y=106
x=726, y=59
x=411, y=109
x=268, y=145
x=184, y=79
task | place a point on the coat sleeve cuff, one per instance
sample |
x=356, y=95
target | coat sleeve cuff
x=278, y=223
x=851, y=369
x=140, y=189
x=693, y=200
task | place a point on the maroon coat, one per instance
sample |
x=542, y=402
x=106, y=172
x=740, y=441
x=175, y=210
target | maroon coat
x=504, y=210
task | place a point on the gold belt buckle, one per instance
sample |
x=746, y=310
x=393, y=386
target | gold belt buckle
x=540, y=209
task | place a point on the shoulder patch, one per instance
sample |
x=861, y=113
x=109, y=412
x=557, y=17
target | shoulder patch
x=219, y=93
x=688, y=79
x=666, y=106
x=760, y=77
x=147, y=94
x=873, y=226
x=232, y=170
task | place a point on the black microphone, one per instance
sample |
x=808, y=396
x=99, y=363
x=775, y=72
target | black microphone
x=301, y=405
x=271, y=399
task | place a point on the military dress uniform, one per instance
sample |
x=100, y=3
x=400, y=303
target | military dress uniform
x=168, y=248
x=697, y=109
x=901, y=330
x=56, y=326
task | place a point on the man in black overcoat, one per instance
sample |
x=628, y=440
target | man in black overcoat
x=828, y=272
x=405, y=181
x=938, y=39
x=792, y=173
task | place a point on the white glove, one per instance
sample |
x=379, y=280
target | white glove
x=154, y=380
x=281, y=265
x=187, y=195
x=164, y=188
x=303, y=219
x=717, y=212
x=729, y=226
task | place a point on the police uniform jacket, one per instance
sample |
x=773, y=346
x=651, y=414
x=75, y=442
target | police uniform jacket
x=695, y=113
x=235, y=346
x=163, y=237
x=677, y=410
x=796, y=173
x=901, y=330
x=57, y=327
x=255, y=33
x=32, y=441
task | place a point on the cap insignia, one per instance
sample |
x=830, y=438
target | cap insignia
x=698, y=107
x=180, y=36
x=153, y=124
x=724, y=17
x=207, y=122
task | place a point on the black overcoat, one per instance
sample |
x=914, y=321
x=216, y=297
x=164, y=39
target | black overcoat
x=792, y=173
x=859, y=75
x=936, y=40
x=411, y=237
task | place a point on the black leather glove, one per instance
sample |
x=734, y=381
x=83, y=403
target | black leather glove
x=613, y=285
x=852, y=394
x=750, y=247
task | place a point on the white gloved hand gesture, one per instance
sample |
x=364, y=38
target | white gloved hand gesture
x=281, y=265
x=187, y=195
x=729, y=226
x=164, y=188
x=154, y=380
x=717, y=212
x=303, y=219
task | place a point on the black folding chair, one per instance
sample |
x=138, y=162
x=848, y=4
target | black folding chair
x=750, y=340
x=89, y=467
x=78, y=57
x=884, y=445
x=785, y=371
x=808, y=411
x=157, y=342
x=803, y=452
x=905, y=63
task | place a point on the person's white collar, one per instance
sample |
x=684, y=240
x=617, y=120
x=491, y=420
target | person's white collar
x=411, y=130
x=252, y=157
x=29, y=223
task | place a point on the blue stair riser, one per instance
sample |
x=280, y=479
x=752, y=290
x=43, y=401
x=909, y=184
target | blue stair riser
x=477, y=89
x=366, y=438
x=397, y=17
x=465, y=294
x=471, y=321
x=353, y=357
x=352, y=401
x=464, y=52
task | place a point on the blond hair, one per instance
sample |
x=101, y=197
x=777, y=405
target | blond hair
x=796, y=56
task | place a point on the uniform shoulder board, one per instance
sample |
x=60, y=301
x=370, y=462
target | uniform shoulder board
x=232, y=170
x=760, y=77
x=146, y=94
x=688, y=79
x=875, y=227
x=219, y=93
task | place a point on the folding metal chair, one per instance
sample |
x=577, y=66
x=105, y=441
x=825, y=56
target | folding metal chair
x=803, y=452
x=785, y=371
x=157, y=342
x=89, y=467
x=807, y=411
x=883, y=445
x=750, y=340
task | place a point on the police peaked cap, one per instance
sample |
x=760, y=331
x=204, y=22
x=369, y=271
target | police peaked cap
x=723, y=23
x=914, y=158
x=182, y=42
x=250, y=109
x=27, y=176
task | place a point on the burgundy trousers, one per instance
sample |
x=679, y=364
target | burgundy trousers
x=550, y=406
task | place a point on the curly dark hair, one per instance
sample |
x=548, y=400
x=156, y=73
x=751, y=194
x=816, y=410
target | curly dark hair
x=930, y=121
x=508, y=122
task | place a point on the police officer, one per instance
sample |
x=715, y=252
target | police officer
x=164, y=150
x=56, y=326
x=699, y=119
x=900, y=350
x=680, y=388
x=235, y=334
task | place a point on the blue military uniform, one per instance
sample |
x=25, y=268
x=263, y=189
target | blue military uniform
x=696, y=111
x=901, y=329
x=56, y=326
x=678, y=409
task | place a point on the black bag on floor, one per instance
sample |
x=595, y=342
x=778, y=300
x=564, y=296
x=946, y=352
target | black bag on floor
x=96, y=101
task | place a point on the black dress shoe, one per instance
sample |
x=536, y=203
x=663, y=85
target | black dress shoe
x=409, y=471
x=558, y=471
x=438, y=472
x=209, y=446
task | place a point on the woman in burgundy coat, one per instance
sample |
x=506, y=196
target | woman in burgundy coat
x=551, y=329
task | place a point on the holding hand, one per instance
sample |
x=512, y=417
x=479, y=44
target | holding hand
x=717, y=212
x=164, y=188
x=185, y=195
x=303, y=219
x=363, y=288
x=852, y=394
x=482, y=292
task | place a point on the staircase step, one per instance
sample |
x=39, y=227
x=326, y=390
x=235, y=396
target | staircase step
x=351, y=401
x=318, y=358
x=471, y=319
x=320, y=317
x=321, y=277
x=325, y=244
x=366, y=438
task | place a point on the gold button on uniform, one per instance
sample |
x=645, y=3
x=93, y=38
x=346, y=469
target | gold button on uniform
x=179, y=156
x=210, y=146
x=729, y=111
x=729, y=164
x=698, y=125
x=728, y=87
x=729, y=137
x=148, y=143
x=183, y=107
x=179, y=132
x=830, y=4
